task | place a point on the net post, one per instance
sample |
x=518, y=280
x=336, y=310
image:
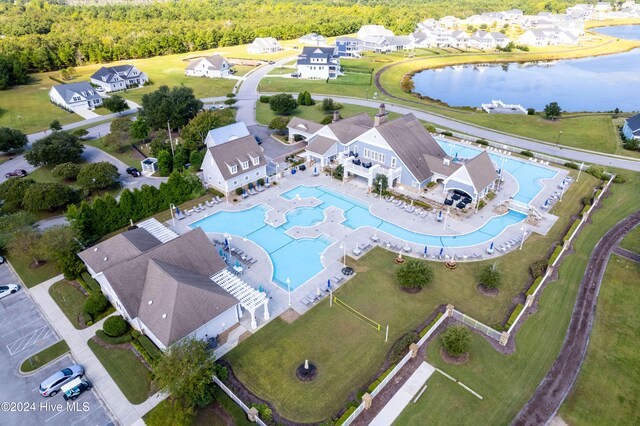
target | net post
x=386, y=336
x=331, y=299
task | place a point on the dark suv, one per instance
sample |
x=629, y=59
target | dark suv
x=133, y=172
x=16, y=173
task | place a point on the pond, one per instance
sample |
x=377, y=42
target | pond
x=629, y=32
x=600, y=83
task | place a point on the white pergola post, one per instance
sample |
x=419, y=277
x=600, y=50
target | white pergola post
x=267, y=317
x=254, y=324
x=239, y=311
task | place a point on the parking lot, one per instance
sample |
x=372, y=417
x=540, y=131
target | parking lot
x=23, y=333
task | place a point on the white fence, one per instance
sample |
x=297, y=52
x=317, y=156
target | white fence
x=236, y=399
x=466, y=319
x=393, y=372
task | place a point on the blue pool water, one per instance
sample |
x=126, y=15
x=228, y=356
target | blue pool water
x=527, y=175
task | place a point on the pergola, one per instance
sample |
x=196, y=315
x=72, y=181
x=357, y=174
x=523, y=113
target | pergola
x=250, y=298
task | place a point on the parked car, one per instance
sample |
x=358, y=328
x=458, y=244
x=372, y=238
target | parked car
x=1, y=260
x=272, y=62
x=133, y=172
x=74, y=388
x=258, y=140
x=16, y=173
x=8, y=289
x=52, y=385
x=295, y=75
x=99, y=89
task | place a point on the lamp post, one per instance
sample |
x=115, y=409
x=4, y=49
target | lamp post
x=381, y=189
x=21, y=123
x=226, y=189
x=171, y=209
x=562, y=191
x=445, y=219
x=580, y=171
x=289, y=290
x=558, y=141
x=228, y=238
x=524, y=234
x=344, y=256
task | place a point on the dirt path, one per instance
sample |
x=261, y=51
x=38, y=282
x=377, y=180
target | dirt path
x=556, y=385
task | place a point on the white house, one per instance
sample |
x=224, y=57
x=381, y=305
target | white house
x=225, y=134
x=233, y=164
x=449, y=21
x=318, y=63
x=374, y=31
x=631, y=128
x=312, y=39
x=120, y=77
x=264, y=45
x=547, y=37
x=488, y=40
x=75, y=95
x=215, y=66
x=161, y=283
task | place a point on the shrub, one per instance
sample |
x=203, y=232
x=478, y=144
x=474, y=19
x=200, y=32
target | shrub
x=514, y=315
x=115, y=326
x=446, y=133
x=68, y=171
x=96, y=304
x=239, y=191
x=231, y=95
x=136, y=344
x=587, y=201
x=93, y=285
x=555, y=255
x=430, y=326
x=414, y=274
x=431, y=184
x=491, y=195
x=279, y=124
x=346, y=415
x=260, y=181
x=70, y=265
x=597, y=171
x=230, y=101
x=221, y=372
x=584, y=210
x=527, y=153
x=482, y=142
x=399, y=348
x=534, y=286
x=456, y=340
x=264, y=412
x=150, y=347
x=430, y=128
x=481, y=204
x=538, y=268
x=327, y=120
x=125, y=338
x=490, y=276
x=619, y=179
x=338, y=172
x=379, y=380
x=571, y=230
x=531, y=111
x=282, y=104
x=264, y=99
x=135, y=334
x=571, y=165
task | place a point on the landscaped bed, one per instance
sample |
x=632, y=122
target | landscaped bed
x=44, y=357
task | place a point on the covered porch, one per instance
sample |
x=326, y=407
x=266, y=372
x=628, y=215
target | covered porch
x=368, y=170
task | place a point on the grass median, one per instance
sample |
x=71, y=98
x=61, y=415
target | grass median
x=44, y=357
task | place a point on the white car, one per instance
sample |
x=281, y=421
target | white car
x=8, y=289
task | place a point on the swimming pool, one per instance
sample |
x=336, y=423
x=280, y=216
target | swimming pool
x=527, y=175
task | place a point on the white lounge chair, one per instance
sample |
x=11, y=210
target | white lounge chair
x=209, y=203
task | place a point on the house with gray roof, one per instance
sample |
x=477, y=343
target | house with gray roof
x=226, y=133
x=264, y=45
x=401, y=149
x=119, y=77
x=631, y=127
x=233, y=164
x=318, y=63
x=164, y=290
x=75, y=95
x=312, y=39
x=215, y=66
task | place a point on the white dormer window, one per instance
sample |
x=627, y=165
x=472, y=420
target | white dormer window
x=76, y=98
x=233, y=169
x=245, y=165
x=256, y=161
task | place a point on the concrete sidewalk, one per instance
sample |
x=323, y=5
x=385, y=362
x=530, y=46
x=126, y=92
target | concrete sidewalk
x=405, y=394
x=124, y=412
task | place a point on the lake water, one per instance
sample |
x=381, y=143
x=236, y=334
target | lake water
x=629, y=32
x=600, y=83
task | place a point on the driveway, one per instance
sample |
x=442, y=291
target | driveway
x=23, y=333
x=272, y=147
x=85, y=113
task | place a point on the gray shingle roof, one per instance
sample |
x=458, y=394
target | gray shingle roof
x=107, y=74
x=408, y=138
x=303, y=125
x=350, y=128
x=215, y=62
x=235, y=152
x=320, y=145
x=326, y=54
x=481, y=170
x=634, y=124
x=83, y=88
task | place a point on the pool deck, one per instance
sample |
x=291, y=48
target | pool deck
x=260, y=273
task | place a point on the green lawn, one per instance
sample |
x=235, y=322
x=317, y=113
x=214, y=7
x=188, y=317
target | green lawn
x=507, y=382
x=131, y=376
x=632, y=240
x=608, y=386
x=264, y=115
x=44, y=357
x=279, y=84
x=70, y=300
x=126, y=157
x=32, y=276
x=266, y=362
x=282, y=71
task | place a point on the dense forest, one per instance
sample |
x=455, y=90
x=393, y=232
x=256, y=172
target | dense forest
x=45, y=36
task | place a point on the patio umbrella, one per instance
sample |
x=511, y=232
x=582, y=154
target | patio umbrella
x=441, y=250
x=244, y=191
x=237, y=263
x=440, y=215
x=425, y=250
x=546, y=202
x=317, y=291
x=499, y=171
x=267, y=180
x=220, y=253
x=177, y=210
x=226, y=243
x=491, y=246
x=315, y=170
x=329, y=284
x=456, y=157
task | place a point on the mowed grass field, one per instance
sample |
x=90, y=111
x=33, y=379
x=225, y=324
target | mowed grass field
x=264, y=115
x=608, y=386
x=632, y=240
x=347, y=351
x=507, y=382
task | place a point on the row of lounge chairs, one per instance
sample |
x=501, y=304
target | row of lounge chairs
x=319, y=294
x=251, y=190
x=511, y=244
x=361, y=249
x=198, y=209
x=408, y=207
x=238, y=253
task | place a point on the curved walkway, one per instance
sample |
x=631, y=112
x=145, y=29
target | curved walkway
x=556, y=385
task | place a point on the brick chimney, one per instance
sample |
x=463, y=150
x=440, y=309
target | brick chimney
x=381, y=117
x=336, y=116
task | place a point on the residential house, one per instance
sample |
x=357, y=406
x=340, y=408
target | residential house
x=547, y=37
x=437, y=37
x=512, y=15
x=318, y=63
x=374, y=31
x=631, y=127
x=312, y=39
x=161, y=283
x=459, y=39
x=233, y=164
x=263, y=45
x=75, y=95
x=301, y=129
x=348, y=47
x=449, y=21
x=119, y=77
x=603, y=6
x=401, y=149
x=215, y=66
x=428, y=23
x=419, y=39
x=225, y=134
x=488, y=40
x=581, y=11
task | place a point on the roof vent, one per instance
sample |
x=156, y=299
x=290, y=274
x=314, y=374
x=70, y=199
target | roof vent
x=106, y=258
x=95, y=249
x=445, y=161
x=149, y=302
x=164, y=316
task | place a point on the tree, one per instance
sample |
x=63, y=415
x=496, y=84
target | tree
x=279, y=124
x=328, y=105
x=165, y=163
x=55, y=125
x=175, y=106
x=186, y=372
x=80, y=133
x=180, y=158
x=456, y=340
x=490, y=276
x=195, y=132
x=414, y=274
x=11, y=139
x=70, y=265
x=380, y=180
x=26, y=242
x=12, y=72
x=12, y=192
x=57, y=148
x=119, y=138
x=57, y=241
x=48, y=196
x=300, y=99
x=308, y=100
x=67, y=171
x=14, y=222
x=139, y=129
x=159, y=143
x=552, y=110
x=98, y=175
x=115, y=103
x=196, y=158
x=282, y=104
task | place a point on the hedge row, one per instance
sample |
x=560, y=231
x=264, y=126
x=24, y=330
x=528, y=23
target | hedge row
x=431, y=324
x=534, y=286
x=93, y=285
x=584, y=210
x=379, y=380
x=150, y=347
x=555, y=255
x=345, y=416
x=597, y=194
x=125, y=338
x=514, y=315
x=574, y=226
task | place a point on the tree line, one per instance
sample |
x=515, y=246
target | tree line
x=44, y=36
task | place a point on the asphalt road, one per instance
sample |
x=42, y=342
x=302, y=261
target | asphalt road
x=23, y=333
